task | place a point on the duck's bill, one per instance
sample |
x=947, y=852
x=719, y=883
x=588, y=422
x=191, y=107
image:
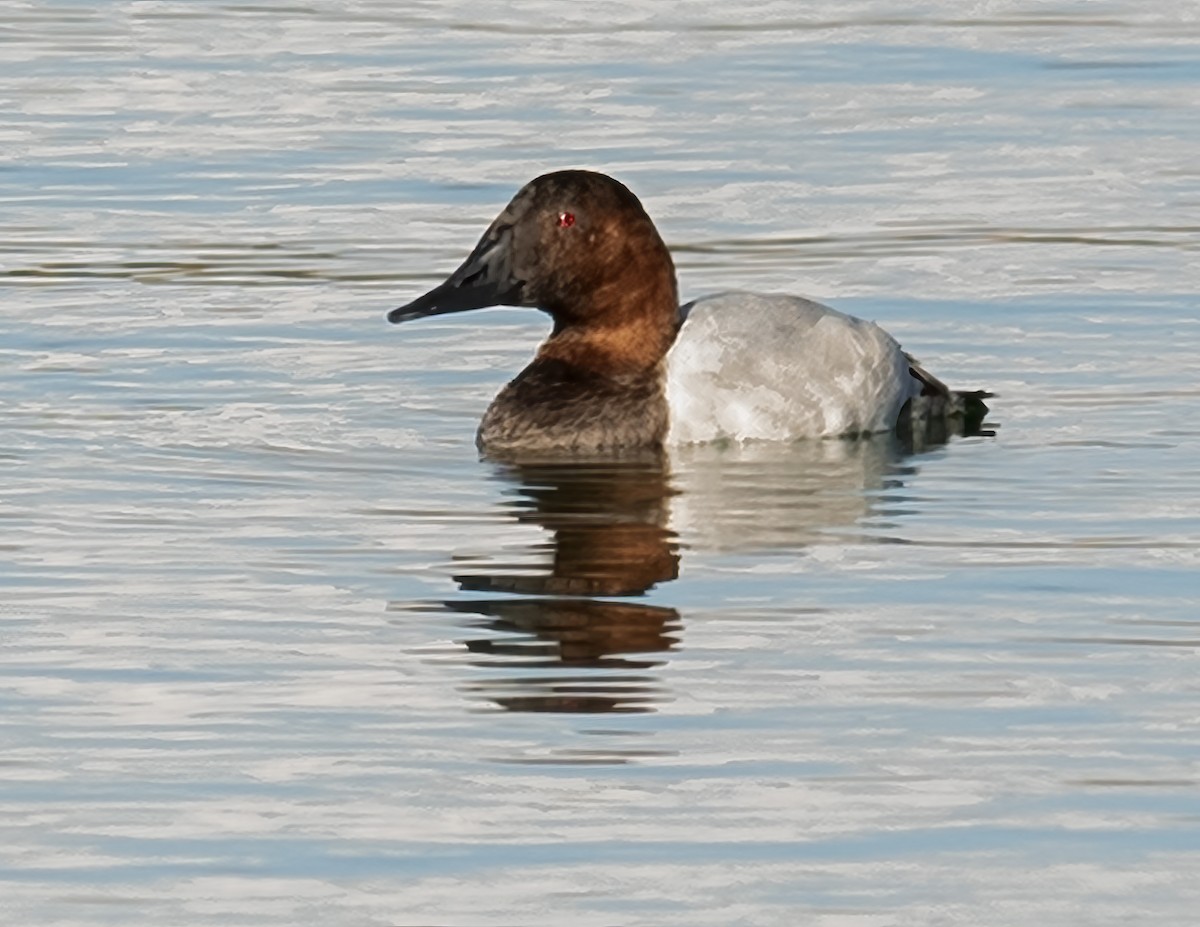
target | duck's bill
x=484, y=279
x=447, y=298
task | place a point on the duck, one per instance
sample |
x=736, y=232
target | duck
x=626, y=367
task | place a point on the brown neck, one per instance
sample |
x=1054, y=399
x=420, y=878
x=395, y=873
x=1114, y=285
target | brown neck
x=623, y=327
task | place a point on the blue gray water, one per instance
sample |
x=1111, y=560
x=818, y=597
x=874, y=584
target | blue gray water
x=278, y=648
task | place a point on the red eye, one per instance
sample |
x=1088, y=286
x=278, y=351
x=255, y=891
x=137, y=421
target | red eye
x=566, y=220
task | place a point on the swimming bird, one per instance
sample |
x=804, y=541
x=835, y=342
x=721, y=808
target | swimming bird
x=626, y=367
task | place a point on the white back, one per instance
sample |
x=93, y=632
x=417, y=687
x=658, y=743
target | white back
x=773, y=367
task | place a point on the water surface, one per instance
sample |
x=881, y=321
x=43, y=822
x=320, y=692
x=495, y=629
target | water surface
x=279, y=648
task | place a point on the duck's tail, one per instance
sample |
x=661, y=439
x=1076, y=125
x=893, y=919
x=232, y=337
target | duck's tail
x=938, y=413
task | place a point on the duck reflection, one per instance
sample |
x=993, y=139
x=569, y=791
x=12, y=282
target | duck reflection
x=758, y=498
x=608, y=521
x=615, y=529
x=574, y=651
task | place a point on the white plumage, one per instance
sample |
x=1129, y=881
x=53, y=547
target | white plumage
x=751, y=366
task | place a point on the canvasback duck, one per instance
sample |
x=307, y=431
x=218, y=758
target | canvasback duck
x=626, y=367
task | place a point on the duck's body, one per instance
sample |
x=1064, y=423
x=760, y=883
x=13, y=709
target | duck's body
x=626, y=368
x=751, y=366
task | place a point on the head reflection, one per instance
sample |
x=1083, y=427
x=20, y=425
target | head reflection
x=561, y=648
x=570, y=655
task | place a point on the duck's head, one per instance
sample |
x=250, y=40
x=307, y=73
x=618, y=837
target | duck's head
x=576, y=244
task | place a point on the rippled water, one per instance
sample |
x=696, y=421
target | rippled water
x=278, y=648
